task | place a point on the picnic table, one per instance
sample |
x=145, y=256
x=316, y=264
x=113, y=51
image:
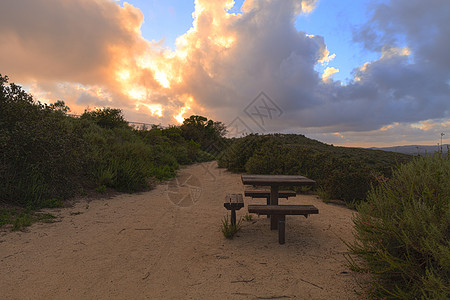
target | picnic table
x=275, y=182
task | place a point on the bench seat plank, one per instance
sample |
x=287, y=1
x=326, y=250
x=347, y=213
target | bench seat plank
x=283, y=209
x=234, y=201
x=266, y=194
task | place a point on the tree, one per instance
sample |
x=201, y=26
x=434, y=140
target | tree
x=203, y=131
x=59, y=106
x=106, y=117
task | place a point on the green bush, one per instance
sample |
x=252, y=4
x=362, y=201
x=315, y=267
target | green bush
x=121, y=159
x=403, y=231
x=348, y=180
x=236, y=155
x=106, y=117
x=229, y=230
x=341, y=173
x=42, y=154
x=207, y=133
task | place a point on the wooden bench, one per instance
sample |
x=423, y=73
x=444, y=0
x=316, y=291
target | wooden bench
x=280, y=211
x=233, y=202
x=266, y=194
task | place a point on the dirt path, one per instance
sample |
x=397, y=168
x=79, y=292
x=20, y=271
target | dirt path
x=167, y=244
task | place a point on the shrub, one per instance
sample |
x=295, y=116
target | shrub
x=236, y=155
x=203, y=131
x=228, y=229
x=247, y=217
x=106, y=117
x=340, y=173
x=403, y=230
x=42, y=154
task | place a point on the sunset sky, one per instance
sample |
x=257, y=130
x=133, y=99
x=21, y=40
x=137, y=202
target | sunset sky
x=352, y=73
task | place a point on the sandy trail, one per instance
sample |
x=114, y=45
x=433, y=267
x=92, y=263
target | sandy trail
x=167, y=244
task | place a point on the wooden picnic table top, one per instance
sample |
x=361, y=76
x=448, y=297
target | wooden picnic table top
x=276, y=180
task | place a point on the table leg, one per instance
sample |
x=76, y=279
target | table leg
x=281, y=229
x=274, y=201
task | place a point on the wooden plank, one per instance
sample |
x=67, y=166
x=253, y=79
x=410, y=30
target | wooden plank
x=276, y=180
x=266, y=194
x=234, y=198
x=233, y=202
x=231, y=206
x=283, y=209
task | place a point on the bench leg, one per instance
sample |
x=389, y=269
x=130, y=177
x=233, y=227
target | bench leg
x=273, y=222
x=233, y=217
x=281, y=229
x=268, y=203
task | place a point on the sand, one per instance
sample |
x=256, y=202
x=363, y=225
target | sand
x=167, y=244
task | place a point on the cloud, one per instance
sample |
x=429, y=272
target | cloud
x=65, y=40
x=91, y=52
x=329, y=73
x=424, y=133
x=412, y=75
x=71, y=49
x=409, y=82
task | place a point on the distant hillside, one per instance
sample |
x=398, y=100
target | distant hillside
x=414, y=149
x=340, y=172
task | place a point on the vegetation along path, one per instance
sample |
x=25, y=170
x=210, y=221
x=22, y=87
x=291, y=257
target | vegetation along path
x=167, y=243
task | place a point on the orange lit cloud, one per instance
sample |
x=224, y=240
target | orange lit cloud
x=88, y=53
x=91, y=53
x=71, y=50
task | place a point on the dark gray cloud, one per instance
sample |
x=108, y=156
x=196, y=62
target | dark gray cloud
x=422, y=25
x=409, y=83
x=414, y=87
